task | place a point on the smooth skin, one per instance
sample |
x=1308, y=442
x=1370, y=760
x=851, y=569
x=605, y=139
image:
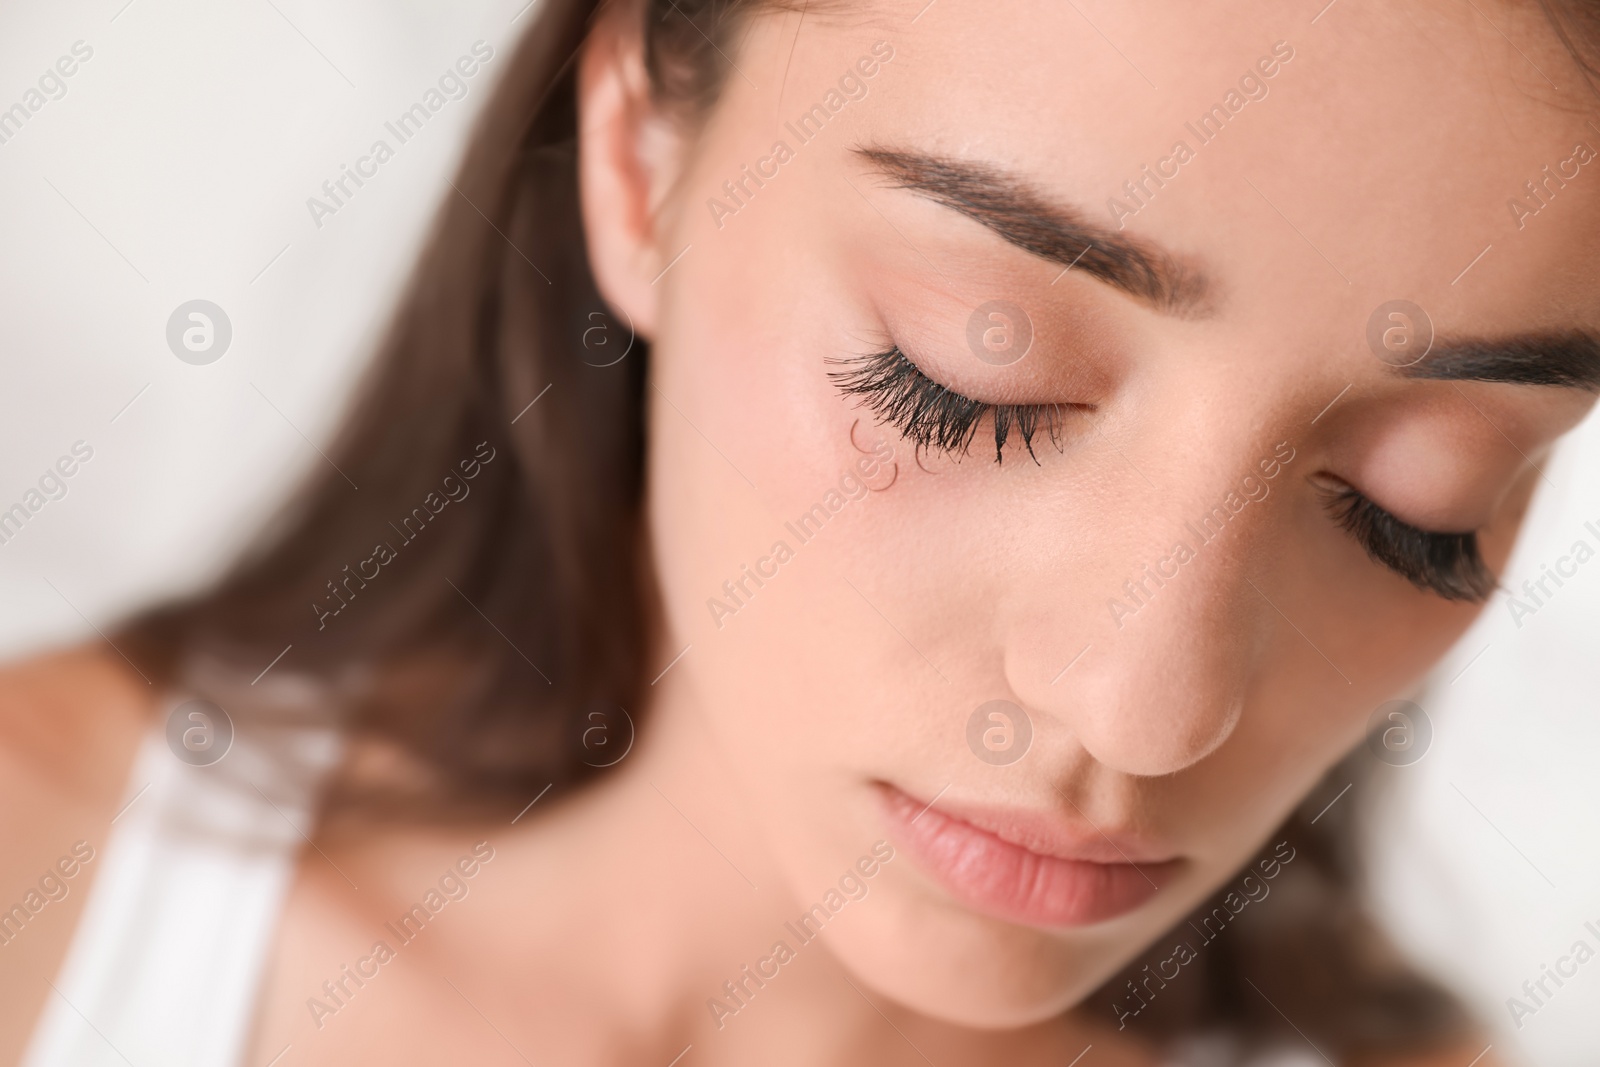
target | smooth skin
x=1378, y=166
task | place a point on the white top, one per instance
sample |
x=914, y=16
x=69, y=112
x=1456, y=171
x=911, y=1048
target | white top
x=166, y=961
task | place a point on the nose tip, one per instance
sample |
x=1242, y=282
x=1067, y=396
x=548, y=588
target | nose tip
x=1152, y=731
x=1169, y=686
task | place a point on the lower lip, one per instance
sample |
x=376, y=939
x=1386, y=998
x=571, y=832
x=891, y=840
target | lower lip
x=1019, y=885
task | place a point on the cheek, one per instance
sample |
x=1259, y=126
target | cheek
x=1381, y=632
x=755, y=542
x=791, y=596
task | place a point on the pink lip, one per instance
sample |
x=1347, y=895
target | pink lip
x=1027, y=868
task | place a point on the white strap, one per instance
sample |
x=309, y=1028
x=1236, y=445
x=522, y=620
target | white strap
x=164, y=967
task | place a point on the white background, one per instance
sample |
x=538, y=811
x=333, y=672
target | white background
x=178, y=166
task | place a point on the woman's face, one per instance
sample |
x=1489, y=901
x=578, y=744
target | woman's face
x=1163, y=235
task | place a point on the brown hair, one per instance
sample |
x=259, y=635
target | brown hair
x=495, y=622
x=476, y=651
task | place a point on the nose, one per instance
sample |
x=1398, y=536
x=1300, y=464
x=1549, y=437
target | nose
x=1166, y=688
x=1178, y=629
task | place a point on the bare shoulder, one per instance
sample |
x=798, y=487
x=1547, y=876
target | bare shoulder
x=70, y=723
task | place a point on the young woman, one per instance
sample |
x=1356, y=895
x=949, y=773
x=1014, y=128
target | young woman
x=869, y=520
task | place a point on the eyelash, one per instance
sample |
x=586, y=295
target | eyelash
x=1449, y=564
x=935, y=418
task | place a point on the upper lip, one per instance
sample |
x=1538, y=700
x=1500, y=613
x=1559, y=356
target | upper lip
x=1068, y=835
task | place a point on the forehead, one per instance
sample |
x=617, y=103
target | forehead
x=1369, y=149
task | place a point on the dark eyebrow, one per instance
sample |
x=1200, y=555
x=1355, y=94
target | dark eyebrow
x=1569, y=358
x=1014, y=210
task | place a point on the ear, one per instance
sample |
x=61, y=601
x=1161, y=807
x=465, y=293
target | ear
x=626, y=163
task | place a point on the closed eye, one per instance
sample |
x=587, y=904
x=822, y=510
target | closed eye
x=934, y=417
x=1448, y=564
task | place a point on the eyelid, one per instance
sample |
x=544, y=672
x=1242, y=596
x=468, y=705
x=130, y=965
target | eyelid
x=1336, y=491
x=1447, y=564
x=934, y=416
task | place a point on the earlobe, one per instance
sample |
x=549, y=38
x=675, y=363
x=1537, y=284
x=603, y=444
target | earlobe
x=622, y=159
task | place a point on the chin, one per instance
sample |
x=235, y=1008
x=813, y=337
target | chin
x=943, y=962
